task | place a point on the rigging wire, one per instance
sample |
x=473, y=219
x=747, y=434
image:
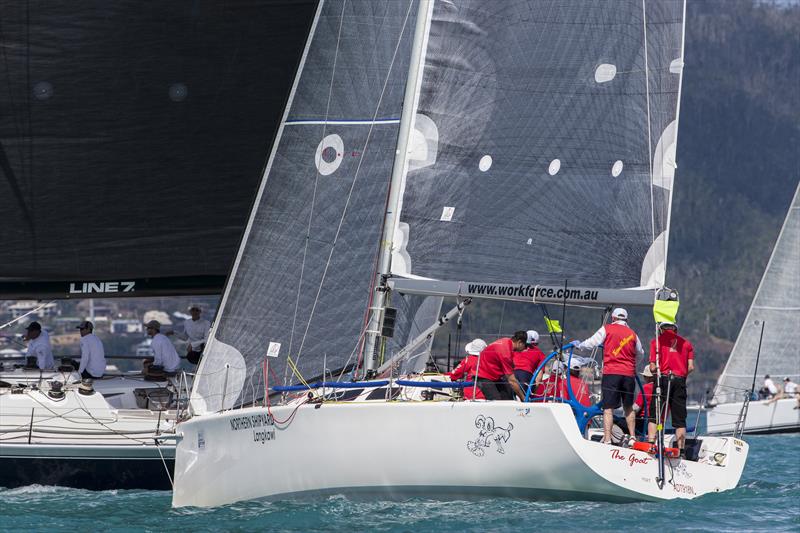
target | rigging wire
x=314, y=193
x=353, y=183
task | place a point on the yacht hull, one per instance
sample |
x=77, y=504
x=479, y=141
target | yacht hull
x=83, y=442
x=762, y=417
x=443, y=449
x=86, y=467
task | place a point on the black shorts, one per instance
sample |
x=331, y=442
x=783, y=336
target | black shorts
x=618, y=389
x=524, y=377
x=495, y=390
x=193, y=356
x=676, y=386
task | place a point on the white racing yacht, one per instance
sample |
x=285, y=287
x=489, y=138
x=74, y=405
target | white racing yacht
x=767, y=345
x=437, y=152
x=113, y=433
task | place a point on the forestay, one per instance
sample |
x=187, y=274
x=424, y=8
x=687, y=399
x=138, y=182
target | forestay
x=776, y=306
x=302, y=282
x=545, y=137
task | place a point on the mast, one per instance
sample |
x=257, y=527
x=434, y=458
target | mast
x=399, y=169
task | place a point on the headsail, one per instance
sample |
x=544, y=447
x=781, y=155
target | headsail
x=302, y=281
x=776, y=305
x=547, y=135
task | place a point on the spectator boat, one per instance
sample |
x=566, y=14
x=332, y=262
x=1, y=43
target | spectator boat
x=129, y=156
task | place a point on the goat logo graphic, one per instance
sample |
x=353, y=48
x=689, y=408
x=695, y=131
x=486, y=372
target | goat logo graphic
x=487, y=434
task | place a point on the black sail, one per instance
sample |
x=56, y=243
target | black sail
x=550, y=131
x=133, y=136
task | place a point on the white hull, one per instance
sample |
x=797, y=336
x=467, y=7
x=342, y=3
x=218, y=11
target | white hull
x=438, y=448
x=83, y=440
x=762, y=417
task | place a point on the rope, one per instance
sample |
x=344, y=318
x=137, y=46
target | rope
x=164, y=462
x=26, y=314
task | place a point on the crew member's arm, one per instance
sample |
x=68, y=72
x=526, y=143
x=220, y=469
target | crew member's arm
x=512, y=380
x=592, y=342
x=158, y=354
x=84, y=357
x=690, y=361
x=639, y=348
x=457, y=372
x=653, y=356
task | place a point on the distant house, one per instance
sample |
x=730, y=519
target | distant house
x=22, y=307
x=125, y=326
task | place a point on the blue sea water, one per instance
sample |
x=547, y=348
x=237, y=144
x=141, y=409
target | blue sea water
x=768, y=498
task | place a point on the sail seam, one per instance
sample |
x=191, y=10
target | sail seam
x=649, y=127
x=343, y=122
x=314, y=193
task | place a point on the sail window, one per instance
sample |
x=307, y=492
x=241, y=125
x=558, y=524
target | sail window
x=616, y=170
x=605, y=72
x=178, y=92
x=43, y=90
x=555, y=166
x=485, y=163
x=329, y=154
x=447, y=214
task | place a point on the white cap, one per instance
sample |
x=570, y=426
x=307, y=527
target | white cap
x=475, y=347
x=576, y=363
x=619, y=313
x=533, y=336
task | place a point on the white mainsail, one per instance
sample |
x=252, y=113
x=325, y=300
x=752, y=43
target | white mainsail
x=776, y=307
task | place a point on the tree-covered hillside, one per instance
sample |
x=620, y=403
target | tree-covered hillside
x=738, y=162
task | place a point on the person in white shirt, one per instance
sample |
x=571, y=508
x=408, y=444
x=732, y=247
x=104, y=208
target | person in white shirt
x=93, y=356
x=164, y=354
x=39, y=346
x=769, y=390
x=790, y=389
x=195, y=332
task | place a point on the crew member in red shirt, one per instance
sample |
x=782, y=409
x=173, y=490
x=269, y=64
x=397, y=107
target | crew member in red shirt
x=465, y=371
x=555, y=386
x=644, y=400
x=496, y=365
x=620, y=347
x=676, y=356
x=528, y=360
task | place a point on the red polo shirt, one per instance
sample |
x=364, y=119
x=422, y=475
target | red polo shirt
x=675, y=352
x=465, y=371
x=496, y=360
x=528, y=359
x=619, y=350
